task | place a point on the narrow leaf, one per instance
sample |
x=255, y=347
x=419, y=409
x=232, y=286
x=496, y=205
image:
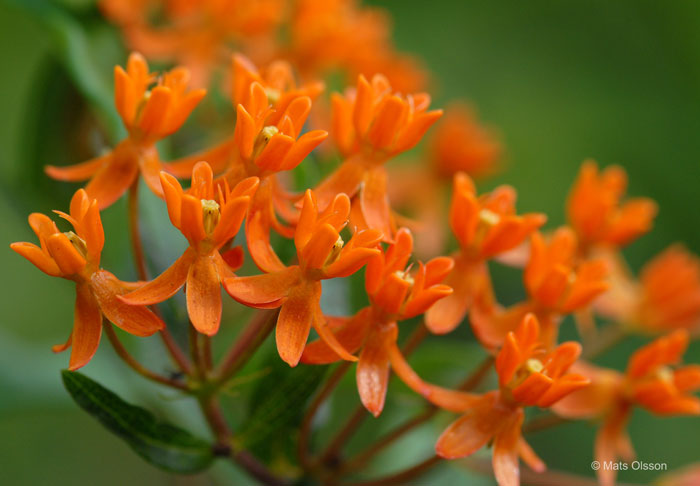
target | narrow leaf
x=159, y=443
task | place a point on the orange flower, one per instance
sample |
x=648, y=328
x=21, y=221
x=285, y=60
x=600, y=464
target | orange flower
x=650, y=382
x=670, y=291
x=461, y=144
x=148, y=114
x=485, y=226
x=341, y=35
x=528, y=376
x=209, y=218
x=596, y=213
x=371, y=125
x=395, y=294
x=197, y=34
x=75, y=255
x=322, y=254
x=267, y=140
x=278, y=81
x=557, y=283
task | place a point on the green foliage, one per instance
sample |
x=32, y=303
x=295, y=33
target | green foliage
x=276, y=408
x=161, y=444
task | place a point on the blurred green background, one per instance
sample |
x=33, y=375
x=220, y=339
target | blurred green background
x=560, y=80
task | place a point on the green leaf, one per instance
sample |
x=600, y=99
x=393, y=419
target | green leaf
x=161, y=444
x=277, y=406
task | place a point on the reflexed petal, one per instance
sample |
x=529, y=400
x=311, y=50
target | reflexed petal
x=87, y=328
x=329, y=337
x=263, y=291
x=204, y=295
x=373, y=368
x=217, y=157
x=530, y=457
x=374, y=202
x=294, y=322
x=165, y=285
x=136, y=320
x=350, y=332
x=471, y=431
x=112, y=180
x=505, y=452
x=78, y=172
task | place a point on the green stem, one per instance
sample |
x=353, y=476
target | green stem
x=248, y=342
x=401, y=477
x=135, y=365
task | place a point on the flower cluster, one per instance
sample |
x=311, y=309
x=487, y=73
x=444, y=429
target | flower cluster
x=241, y=189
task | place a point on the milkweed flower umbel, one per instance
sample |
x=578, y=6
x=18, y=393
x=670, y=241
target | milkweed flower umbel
x=296, y=289
x=149, y=114
x=484, y=226
x=75, y=255
x=653, y=381
x=396, y=293
x=209, y=217
x=267, y=140
x=528, y=375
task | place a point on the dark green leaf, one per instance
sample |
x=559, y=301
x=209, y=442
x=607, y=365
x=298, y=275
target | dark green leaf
x=277, y=405
x=161, y=444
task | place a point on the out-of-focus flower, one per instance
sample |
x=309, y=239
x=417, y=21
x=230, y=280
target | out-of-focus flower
x=149, y=113
x=340, y=35
x=597, y=214
x=653, y=381
x=196, y=34
x=666, y=296
x=557, y=283
x=75, y=255
x=395, y=294
x=322, y=254
x=528, y=375
x=686, y=476
x=209, y=218
x=372, y=124
x=484, y=226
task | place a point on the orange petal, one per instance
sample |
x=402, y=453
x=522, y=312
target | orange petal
x=327, y=335
x=204, y=295
x=345, y=179
x=78, y=172
x=412, y=134
x=68, y=259
x=165, y=285
x=263, y=291
x=390, y=114
x=505, y=451
x=471, y=431
x=294, y=322
x=319, y=247
x=87, y=328
x=373, y=367
x=192, y=220
x=112, y=180
x=258, y=239
x=303, y=147
x=149, y=163
x=155, y=110
x=374, y=202
x=350, y=332
x=136, y=320
x=466, y=280
x=534, y=387
x=530, y=458
x=274, y=152
x=35, y=255
x=350, y=262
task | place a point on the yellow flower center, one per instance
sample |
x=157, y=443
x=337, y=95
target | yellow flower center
x=210, y=215
x=488, y=217
x=263, y=139
x=335, y=252
x=404, y=275
x=534, y=365
x=664, y=373
x=273, y=95
x=77, y=242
